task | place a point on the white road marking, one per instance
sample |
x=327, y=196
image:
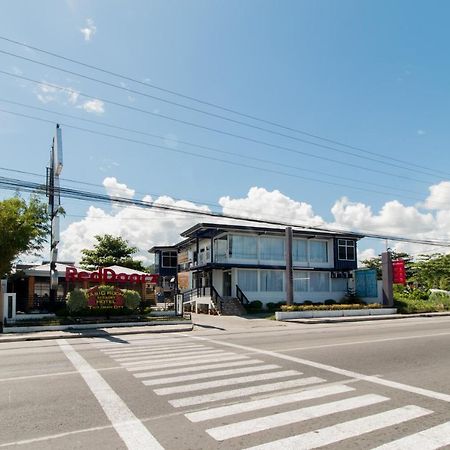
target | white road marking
x=168, y=354
x=138, y=351
x=347, y=373
x=157, y=373
x=130, y=429
x=254, y=405
x=208, y=358
x=226, y=382
x=199, y=376
x=430, y=439
x=197, y=356
x=187, y=355
x=345, y=430
x=207, y=398
x=277, y=420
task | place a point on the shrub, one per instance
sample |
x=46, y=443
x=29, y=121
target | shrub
x=351, y=298
x=272, y=307
x=76, y=300
x=335, y=307
x=329, y=301
x=254, y=307
x=132, y=299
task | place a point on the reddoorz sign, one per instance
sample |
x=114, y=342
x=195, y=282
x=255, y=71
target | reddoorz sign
x=105, y=275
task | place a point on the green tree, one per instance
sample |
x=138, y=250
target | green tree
x=432, y=271
x=375, y=263
x=109, y=251
x=23, y=229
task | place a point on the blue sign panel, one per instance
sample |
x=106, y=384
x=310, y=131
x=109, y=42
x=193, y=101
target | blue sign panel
x=366, y=283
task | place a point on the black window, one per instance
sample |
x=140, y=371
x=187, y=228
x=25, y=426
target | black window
x=346, y=250
x=169, y=259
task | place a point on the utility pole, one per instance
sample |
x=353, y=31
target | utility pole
x=289, y=272
x=54, y=203
x=386, y=273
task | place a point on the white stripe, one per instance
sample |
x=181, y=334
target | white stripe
x=205, y=355
x=429, y=439
x=129, y=342
x=131, y=430
x=142, y=348
x=197, y=368
x=168, y=354
x=207, y=398
x=226, y=382
x=218, y=373
x=254, y=405
x=345, y=430
x=297, y=415
x=228, y=357
x=344, y=372
x=138, y=351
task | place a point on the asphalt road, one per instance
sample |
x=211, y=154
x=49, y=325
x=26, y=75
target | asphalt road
x=233, y=383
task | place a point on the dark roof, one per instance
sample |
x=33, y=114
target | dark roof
x=156, y=248
x=212, y=229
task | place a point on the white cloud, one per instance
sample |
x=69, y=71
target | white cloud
x=439, y=197
x=47, y=93
x=94, y=106
x=116, y=189
x=147, y=227
x=421, y=132
x=89, y=30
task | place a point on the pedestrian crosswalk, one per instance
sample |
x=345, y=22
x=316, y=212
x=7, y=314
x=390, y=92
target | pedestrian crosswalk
x=235, y=395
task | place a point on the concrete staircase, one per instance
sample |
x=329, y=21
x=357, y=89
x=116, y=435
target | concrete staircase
x=232, y=307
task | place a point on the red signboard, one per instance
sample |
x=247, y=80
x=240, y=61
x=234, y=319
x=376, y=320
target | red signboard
x=399, y=272
x=106, y=275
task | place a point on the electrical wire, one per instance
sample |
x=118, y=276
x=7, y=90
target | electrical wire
x=206, y=103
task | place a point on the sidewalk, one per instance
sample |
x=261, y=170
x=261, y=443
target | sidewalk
x=98, y=332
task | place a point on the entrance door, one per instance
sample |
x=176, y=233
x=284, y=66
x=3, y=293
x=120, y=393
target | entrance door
x=227, y=283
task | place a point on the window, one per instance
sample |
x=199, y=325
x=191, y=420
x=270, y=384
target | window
x=271, y=280
x=248, y=280
x=271, y=249
x=169, y=259
x=300, y=250
x=301, y=279
x=243, y=247
x=319, y=281
x=346, y=250
x=220, y=248
x=318, y=251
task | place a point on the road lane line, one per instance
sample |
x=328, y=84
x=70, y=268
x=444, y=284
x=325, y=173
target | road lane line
x=228, y=357
x=198, y=355
x=429, y=439
x=345, y=430
x=157, y=373
x=168, y=355
x=347, y=373
x=234, y=393
x=289, y=417
x=138, y=351
x=226, y=382
x=130, y=429
x=217, y=373
x=255, y=405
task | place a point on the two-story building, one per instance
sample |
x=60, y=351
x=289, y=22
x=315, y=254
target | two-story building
x=236, y=259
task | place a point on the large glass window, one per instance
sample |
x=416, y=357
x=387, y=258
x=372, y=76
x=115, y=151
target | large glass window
x=318, y=251
x=220, y=248
x=301, y=279
x=243, y=247
x=248, y=280
x=346, y=250
x=299, y=250
x=319, y=281
x=271, y=249
x=271, y=280
x=169, y=259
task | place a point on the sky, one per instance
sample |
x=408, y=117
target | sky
x=321, y=113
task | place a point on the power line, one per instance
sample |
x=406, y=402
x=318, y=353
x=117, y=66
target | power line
x=206, y=103
x=10, y=183
x=222, y=132
x=204, y=147
x=184, y=152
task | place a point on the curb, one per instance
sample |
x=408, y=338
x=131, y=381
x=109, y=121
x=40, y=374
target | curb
x=364, y=318
x=100, y=332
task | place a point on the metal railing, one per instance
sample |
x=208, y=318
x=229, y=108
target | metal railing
x=241, y=296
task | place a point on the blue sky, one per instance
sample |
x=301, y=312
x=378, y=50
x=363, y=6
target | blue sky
x=369, y=74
